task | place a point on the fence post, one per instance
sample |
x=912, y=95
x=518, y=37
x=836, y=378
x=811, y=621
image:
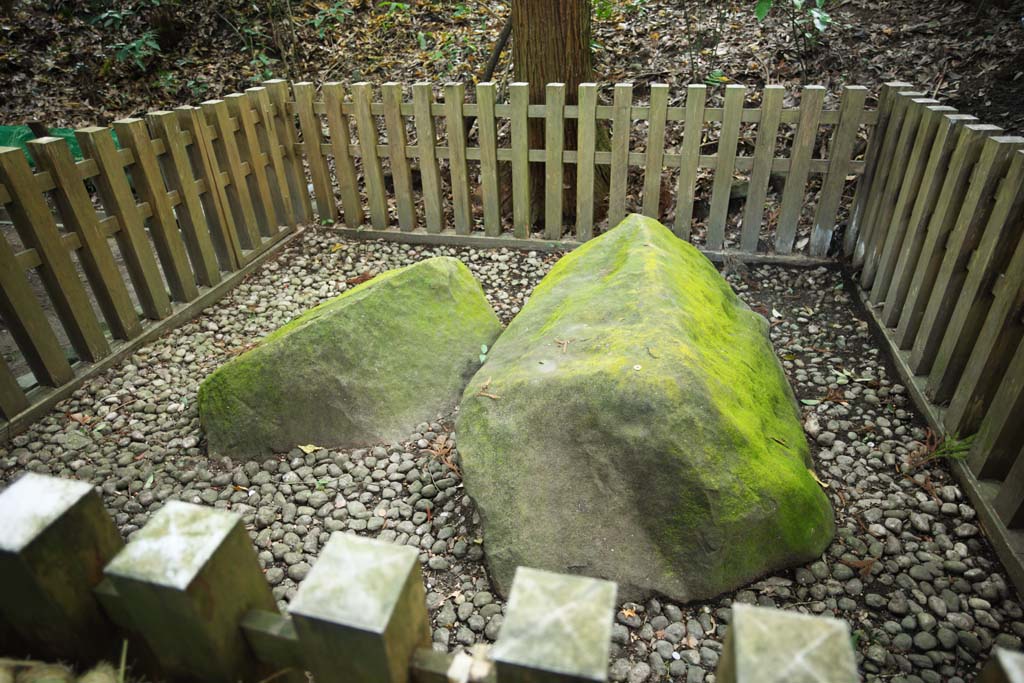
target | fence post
x=557, y=629
x=362, y=610
x=1004, y=666
x=186, y=581
x=56, y=538
x=765, y=645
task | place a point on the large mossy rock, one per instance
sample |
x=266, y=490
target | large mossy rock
x=365, y=367
x=643, y=430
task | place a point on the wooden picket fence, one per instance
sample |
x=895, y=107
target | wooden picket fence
x=938, y=239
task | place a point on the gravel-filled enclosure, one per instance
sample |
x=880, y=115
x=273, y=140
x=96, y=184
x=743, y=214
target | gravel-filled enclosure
x=910, y=569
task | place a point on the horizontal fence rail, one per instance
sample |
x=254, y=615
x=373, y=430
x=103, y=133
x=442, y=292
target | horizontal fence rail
x=938, y=239
x=188, y=594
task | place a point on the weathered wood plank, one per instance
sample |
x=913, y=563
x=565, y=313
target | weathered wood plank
x=871, y=161
x=455, y=130
x=426, y=141
x=725, y=166
x=912, y=184
x=79, y=216
x=655, y=161
x=216, y=205
x=237, y=187
x=942, y=221
x=270, y=140
x=38, y=230
x=960, y=245
x=554, y=144
x=177, y=170
x=28, y=324
x=586, y=141
x=946, y=136
x=693, y=134
x=369, y=136
x=309, y=122
x=302, y=208
x=851, y=110
x=98, y=145
x=998, y=441
x=760, y=175
x=897, y=175
x=487, y=127
x=1001, y=232
x=148, y=182
x=794, y=193
x=250, y=153
x=12, y=398
x=344, y=166
x=401, y=175
x=622, y=128
x=522, y=213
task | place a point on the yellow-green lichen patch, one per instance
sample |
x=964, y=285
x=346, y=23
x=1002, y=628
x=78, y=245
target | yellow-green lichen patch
x=645, y=431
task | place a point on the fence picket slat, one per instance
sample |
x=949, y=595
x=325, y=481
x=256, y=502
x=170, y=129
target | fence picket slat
x=911, y=185
x=237, y=188
x=851, y=109
x=216, y=205
x=77, y=212
x=942, y=221
x=959, y=245
x=622, y=124
x=455, y=127
x=519, y=101
x=872, y=158
x=800, y=165
x=28, y=323
x=868, y=225
x=1001, y=434
x=401, y=175
x=760, y=175
x=312, y=138
x=12, y=398
x=939, y=155
x=344, y=166
x=586, y=141
x=148, y=181
x=554, y=143
x=302, y=208
x=725, y=166
x=38, y=230
x=1009, y=501
x=369, y=136
x=426, y=140
x=655, y=160
x=250, y=153
x=693, y=129
x=1001, y=232
x=896, y=176
x=98, y=145
x=270, y=140
x=178, y=173
x=487, y=127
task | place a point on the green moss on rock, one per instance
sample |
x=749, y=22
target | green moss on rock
x=363, y=367
x=661, y=449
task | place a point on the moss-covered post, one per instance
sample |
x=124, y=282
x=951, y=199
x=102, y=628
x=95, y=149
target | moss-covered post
x=774, y=645
x=186, y=581
x=1003, y=666
x=362, y=611
x=557, y=629
x=55, y=538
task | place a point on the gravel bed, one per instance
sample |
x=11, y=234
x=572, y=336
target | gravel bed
x=910, y=569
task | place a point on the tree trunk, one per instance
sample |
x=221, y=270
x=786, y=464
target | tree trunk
x=551, y=44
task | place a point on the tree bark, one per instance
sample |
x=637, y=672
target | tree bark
x=551, y=44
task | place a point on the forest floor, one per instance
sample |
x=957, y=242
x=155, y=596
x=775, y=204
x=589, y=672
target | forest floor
x=70, y=64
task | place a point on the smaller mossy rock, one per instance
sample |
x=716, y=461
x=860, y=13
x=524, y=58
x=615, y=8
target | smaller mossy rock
x=364, y=367
x=643, y=430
